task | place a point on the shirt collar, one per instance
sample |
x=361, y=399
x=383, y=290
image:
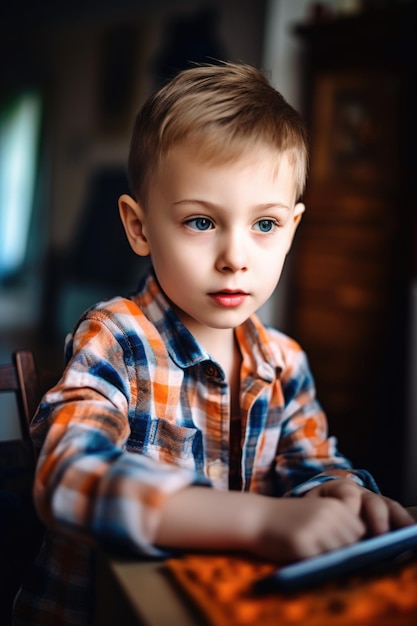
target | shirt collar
x=258, y=352
x=184, y=350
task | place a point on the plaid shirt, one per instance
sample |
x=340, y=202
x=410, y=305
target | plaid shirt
x=142, y=411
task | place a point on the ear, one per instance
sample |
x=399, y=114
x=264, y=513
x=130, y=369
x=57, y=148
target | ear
x=298, y=214
x=133, y=218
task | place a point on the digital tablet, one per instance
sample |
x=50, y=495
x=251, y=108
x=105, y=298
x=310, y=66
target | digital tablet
x=316, y=570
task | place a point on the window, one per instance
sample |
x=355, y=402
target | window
x=20, y=124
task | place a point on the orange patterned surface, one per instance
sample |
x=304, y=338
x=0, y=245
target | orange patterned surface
x=220, y=587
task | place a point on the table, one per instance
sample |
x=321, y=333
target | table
x=139, y=593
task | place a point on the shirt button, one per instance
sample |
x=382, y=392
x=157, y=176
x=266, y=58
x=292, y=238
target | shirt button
x=216, y=470
x=211, y=370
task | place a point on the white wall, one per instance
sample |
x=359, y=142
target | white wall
x=282, y=62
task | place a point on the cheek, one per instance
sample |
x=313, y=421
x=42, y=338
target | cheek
x=271, y=270
x=179, y=252
x=175, y=266
x=164, y=249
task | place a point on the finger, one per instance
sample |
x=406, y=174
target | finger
x=335, y=526
x=375, y=514
x=399, y=516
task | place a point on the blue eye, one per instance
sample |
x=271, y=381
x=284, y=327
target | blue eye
x=265, y=226
x=200, y=223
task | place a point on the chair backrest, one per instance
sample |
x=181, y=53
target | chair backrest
x=21, y=531
x=21, y=377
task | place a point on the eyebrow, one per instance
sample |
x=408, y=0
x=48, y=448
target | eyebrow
x=211, y=205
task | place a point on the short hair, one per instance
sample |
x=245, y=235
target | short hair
x=221, y=109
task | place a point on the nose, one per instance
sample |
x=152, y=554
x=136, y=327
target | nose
x=232, y=253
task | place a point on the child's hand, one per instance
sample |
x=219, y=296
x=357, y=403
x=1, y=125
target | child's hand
x=333, y=515
x=379, y=513
x=274, y=529
x=299, y=528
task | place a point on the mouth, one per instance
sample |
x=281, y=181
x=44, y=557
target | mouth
x=229, y=297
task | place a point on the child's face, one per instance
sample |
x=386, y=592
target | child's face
x=218, y=235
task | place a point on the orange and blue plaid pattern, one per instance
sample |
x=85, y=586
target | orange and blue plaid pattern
x=142, y=411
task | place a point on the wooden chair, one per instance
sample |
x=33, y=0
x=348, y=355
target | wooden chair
x=21, y=377
x=21, y=531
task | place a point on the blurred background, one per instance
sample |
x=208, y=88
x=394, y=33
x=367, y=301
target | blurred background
x=72, y=77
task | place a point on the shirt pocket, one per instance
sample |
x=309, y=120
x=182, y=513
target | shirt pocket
x=173, y=444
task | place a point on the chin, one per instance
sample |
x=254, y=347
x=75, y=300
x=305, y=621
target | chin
x=229, y=321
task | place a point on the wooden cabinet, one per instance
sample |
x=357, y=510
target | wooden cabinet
x=353, y=255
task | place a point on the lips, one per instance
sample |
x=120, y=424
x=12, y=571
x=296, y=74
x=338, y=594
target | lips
x=229, y=298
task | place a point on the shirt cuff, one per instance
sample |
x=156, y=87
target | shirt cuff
x=360, y=476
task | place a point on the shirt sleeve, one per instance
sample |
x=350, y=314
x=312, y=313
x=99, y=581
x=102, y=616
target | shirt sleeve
x=87, y=484
x=307, y=455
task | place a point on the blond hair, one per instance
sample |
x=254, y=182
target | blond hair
x=223, y=110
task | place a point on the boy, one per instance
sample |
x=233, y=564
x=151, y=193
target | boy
x=180, y=388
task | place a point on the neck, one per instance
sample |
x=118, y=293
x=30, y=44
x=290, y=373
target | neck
x=221, y=345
